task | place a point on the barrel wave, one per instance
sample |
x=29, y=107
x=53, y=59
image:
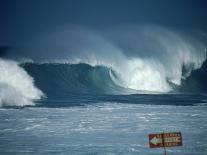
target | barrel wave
x=68, y=84
x=121, y=61
x=58, y=80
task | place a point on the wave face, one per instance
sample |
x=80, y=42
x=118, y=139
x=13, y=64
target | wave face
x=81, y=82
x=16, y=86
x=124, y=60
x=60, y=80
x=146, y=58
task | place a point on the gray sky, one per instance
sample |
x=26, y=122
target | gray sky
x=22, y=19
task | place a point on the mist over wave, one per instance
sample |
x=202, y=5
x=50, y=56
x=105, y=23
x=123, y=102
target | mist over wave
x=144, y=57
x=16, y=86
x=125, y=59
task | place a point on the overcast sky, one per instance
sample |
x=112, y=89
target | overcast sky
x=20, y=19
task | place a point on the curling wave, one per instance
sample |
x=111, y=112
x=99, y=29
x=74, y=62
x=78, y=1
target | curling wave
x=146, y=58
x=61, y=80
x=65, y=81
x=123, y=60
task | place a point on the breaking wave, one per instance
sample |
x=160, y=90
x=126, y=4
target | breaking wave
x=59, y=80
x=119, y=61
x=16, y=86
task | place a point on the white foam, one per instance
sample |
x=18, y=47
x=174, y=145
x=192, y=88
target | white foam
x=145, y=58
x=151, y=70
x=16, y=86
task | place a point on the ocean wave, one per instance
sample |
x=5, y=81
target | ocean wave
x=81, y=82
x=129, y=60
x=16, y=86
x=146, y=58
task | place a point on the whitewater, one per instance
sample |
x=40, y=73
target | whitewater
x=81, y=91
x=158, y=60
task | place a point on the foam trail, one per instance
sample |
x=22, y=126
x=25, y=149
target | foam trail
x=16, y=86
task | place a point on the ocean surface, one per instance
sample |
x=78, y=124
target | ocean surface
x=118, y=125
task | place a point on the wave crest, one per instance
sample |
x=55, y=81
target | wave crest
x=16, y=86
x=146, y=58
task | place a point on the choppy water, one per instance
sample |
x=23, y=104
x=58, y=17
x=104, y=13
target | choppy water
x=103, y=128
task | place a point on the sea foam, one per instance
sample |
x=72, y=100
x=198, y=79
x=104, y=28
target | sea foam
x=16, y=86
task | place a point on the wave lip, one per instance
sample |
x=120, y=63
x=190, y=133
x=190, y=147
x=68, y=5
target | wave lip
x=65, y=80
x=16, y=86
x=129, y=60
